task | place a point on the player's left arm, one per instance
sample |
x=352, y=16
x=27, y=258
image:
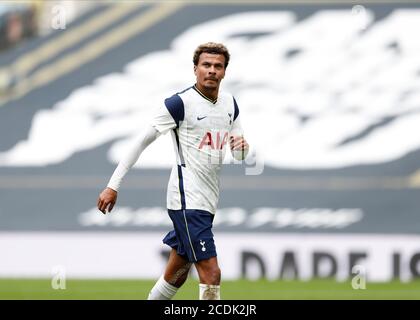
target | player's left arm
x=238, y=144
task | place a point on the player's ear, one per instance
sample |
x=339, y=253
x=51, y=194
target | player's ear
x=195, y=69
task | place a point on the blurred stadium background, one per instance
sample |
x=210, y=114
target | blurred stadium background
x=329, y=98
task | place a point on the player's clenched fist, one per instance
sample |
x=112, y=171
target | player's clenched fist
x=239, y=147
x=238, y=143
x=107, y=200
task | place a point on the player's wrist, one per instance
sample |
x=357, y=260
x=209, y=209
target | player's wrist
x=112, y=188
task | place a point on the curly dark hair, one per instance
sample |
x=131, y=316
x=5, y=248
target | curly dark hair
x=211, y=47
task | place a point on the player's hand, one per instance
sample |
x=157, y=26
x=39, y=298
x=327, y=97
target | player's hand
x=238, y=143
x=107, y=200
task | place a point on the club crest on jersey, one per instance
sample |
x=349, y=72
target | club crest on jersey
x=216, y=140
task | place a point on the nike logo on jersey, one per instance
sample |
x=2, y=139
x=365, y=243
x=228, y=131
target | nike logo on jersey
x=201, y=118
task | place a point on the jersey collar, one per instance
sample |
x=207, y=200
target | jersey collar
x=204, y=96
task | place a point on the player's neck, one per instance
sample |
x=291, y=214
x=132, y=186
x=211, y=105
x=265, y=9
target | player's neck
x=209, y=94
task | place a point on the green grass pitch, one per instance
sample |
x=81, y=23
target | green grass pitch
x=241, y=289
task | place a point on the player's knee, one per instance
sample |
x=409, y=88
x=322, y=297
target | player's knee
x=212, y=275
x=217, y=275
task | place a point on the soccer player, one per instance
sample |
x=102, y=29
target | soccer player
x=203, y=122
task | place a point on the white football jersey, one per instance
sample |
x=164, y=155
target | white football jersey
x=200, y=130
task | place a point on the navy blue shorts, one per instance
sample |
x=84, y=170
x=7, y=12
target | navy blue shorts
x=192, y=237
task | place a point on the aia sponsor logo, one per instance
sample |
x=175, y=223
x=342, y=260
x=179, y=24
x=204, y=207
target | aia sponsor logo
x=215, y=140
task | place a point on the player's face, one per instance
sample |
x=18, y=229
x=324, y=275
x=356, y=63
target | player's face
x=210, y=70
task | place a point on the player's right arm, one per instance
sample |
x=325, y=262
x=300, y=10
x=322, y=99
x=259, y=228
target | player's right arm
x=166, y=118
x=108, y=197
